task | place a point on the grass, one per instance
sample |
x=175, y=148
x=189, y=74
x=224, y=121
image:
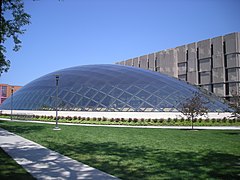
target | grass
x=134, y=153
x=9, y=169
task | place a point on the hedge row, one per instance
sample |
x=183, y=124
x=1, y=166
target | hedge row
x=131, y=121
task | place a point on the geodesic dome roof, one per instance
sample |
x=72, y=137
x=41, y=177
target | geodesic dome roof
x=108, y=88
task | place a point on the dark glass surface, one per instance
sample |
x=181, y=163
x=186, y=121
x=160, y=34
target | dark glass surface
x=108, y=88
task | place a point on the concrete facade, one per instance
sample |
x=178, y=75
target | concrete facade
x=213, y=64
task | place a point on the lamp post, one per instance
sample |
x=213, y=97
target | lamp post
x=11, y=101
x=56, y=103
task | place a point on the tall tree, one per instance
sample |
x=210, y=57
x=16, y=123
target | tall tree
x=194, y=107
x=13, y=19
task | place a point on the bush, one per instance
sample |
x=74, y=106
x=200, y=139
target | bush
x=142, y=119
x=130, y=120
x=169, y=120
x=94, y=118
x=69, y=118
x=83, y=118
x=112, y=120
x=224, y=120
x=79, y=117
x=88, y=118
x=104, y=119
x=123, y=120
x=99, y=119
x=161, y=120
x=135, y=120
x=75, y=117
x=155, y=120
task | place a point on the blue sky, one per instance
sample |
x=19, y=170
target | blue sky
x=77, y=32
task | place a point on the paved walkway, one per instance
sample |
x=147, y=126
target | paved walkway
x=151, y=127
x=43, y=163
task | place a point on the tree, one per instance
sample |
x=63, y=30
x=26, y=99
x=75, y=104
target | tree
x=12, y=20
x=194, y=107
x=235, y=104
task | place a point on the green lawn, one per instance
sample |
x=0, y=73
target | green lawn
x=9, y=169
x=132, y=153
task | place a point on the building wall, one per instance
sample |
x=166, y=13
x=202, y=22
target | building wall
x=6, y=91
x=213, y=64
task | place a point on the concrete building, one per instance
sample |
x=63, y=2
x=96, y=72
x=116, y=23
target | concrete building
x=213, y=64
x=6, y=91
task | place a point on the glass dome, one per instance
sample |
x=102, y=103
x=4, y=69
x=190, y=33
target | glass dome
x=108, y=88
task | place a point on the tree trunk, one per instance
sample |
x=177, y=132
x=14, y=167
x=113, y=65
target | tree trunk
x=192, y=122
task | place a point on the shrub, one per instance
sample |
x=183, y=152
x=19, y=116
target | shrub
x=213, y=120
x=169, y=120
x=79, y=117
x=117, y=119
x=112, y=120
x=200, y=120
x=135, y=120
x=161, y=120
x=99, y=119
x=83, y=118
x=37, y=116
x=155, y=120
x=182, y=120
x=88, y=118
x=123, y=120
x=75, y=117
x=142, y=119
x=94, y=118
x=224, y=120
x=69, y=118
x=130, y=120
x=104, y=119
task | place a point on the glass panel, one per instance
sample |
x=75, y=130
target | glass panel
x=115, y=92
x=91, y=93
x=143, y=95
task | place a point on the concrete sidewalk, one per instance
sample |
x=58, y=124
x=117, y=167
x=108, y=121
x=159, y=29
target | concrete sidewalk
x=43, y=163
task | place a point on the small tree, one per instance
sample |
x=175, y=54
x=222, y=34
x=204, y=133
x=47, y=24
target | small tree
x=193, y=107
x=235, y=104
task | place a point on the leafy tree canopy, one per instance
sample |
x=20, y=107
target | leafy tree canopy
x=194, y=107
x=13, y=19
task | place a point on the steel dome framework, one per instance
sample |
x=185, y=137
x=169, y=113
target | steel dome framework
x=108, y=88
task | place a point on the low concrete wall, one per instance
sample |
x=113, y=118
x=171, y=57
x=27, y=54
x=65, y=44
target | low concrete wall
x=138, y=115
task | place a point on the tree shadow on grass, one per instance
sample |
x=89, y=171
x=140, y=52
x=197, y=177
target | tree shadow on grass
x=24, y=129
x=128, y=162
